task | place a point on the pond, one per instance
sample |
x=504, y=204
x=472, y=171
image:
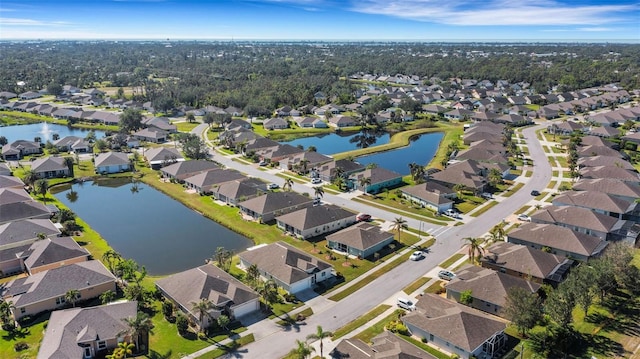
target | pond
x=421, y=150
x=331, y=143
x=43, y=130
x=144, y=224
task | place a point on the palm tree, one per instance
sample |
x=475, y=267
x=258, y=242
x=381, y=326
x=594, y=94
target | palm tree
x=496, y=234
x=269, y=292
x=125, y=349
x=288, y=184
x=418, y=175
x=302, y=351
x=41, y=187
x=399, y=224
x=365, y=182
x=140, y=325
x=71, y=296
x=107, y=297
x=253, y=273
x=72, y=195
x=318, y=191
x=29, y=178
x=458, y=188
x=412, y=169
x=474, y=248
x=304, y=164
x=69, y=162
x=112, y=258
x=5, y=312
x=202, y=308
x=319, y=335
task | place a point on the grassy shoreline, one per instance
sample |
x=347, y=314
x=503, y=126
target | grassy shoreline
x=25, y=118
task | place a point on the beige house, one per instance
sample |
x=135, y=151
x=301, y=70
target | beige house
x=46, y=290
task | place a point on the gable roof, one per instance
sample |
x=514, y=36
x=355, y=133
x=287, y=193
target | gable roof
x=575, y=216
x=48, y=164
x=377, y=175
x=610, y=172
x=274, y=201
x=385, y=345
x=522, y=259
x=607, y=185
x=24, y=230
x=236, y=189
x=10, y=181
x=488, y=285
x=467, y=172
x=284, y=262
x=562, y=238
x=160, y=154
x=427, y=193
x=205, y=282
x=111, y=159
x=594, y=200
x=207, y=179
x=13, y=195
x=360, y=236
x=182, y=170
x=23, y=210
x=455, y=323
x=66, y=328
x=56, y=282
x=53, y=250
x=315, y=216
x=597, y=161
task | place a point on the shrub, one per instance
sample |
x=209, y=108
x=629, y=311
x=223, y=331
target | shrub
x=20, y=346
x=182, y=323
x=167, y=309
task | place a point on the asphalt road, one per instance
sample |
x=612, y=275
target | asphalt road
x=448, y=241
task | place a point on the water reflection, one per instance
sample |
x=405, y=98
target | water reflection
x=367, y=137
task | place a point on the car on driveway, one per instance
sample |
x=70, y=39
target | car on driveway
x=273, y=186
x=524, y=217
x=363, y=217
x=316, y=181
x=535, y=193
x=486, y=195
x=446, y=275
x=416, y=256
x=452, y=213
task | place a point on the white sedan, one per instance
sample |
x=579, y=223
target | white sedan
x=416, y=256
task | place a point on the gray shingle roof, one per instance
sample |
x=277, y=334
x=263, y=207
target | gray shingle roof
x=275, y=201
x=112, y=159
x=54, y=250
x=562, y=238
x=284, y=262
x=611, y=186
x=23, y=210
x=13, y=195
x=575, y=216
x=162, y=154
x=18, y=231
x=48, y=164
x=385, y=345
x=67, y=326
x=186, y=169
x=594, y=200
x=10, y=181
x=56, y=282
x=361, y=236
x=206, y=282
x=523, y=259
x=206, y=180
x=312, y=217
x=488, y=285
x=455, y=323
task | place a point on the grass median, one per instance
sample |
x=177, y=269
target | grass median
x=369, y=316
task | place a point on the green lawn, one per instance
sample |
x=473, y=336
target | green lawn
x=32, y=335
x=454, y=258
x=186, y=126
x=485, y=208
x=513, y=190
x=415, y=285
x=377, y=328
x=435, y=287
x=370, y=315
x=403, y=208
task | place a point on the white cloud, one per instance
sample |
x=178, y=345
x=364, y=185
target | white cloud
x=497, y=12
x=596, y=29
x=8, y=21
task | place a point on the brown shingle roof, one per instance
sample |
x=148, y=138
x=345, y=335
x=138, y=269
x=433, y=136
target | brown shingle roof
x=312, y=217
x=523, y=259
x=361, y=236
x=562, y=238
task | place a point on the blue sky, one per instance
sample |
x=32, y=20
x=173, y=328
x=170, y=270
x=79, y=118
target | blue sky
x=420, y=20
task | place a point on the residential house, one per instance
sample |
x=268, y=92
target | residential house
x=29, y=95
x=458, y=114
x=292, y=269
x=25, y=231
x=240, y=190
x=514, y=120
x=206, y=182
x=50, y=167
x=160, y=123
x=16, y=150
x=600, y=202
x=304, y=161
x=258, y=144
x=603, y=131
x=266, y=207
x=362, y=240
x=7, y=95
x=488, y=288
x=46, y=290
x=385, y=345
x=526, y=262
x=565, y=128
x=435, y=109
x=431, y=195
x=13, y=195
x=112, y=162
x=276, y=123
x=315, y=221
x=598, y=150
x=181, y=170
x=558, y=240
x=378, y=178
x=598, y=161
x=632, y=138
x=276, y=154
x=73, y=144
x=152, y=135
x=345, y=168
x=624, y=190
x=5, y=170
x=8, y=181
x=87, y=332
x=23, y=210
x=37, y=255
x=238, y=123
x=342, y=121
x=469, y=173
x=611, y=172
x=159, y=157
x=228, y=295
x=455, y=328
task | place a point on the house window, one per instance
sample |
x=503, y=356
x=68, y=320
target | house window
x=102, y=344
x=323, y=274
x=23, y=310
x=60, y=300
x=87, y=352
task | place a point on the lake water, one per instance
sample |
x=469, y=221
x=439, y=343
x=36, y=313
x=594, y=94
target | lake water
x=148, y=226
x=421, y=150
x=331, y=143
x=43, y=130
